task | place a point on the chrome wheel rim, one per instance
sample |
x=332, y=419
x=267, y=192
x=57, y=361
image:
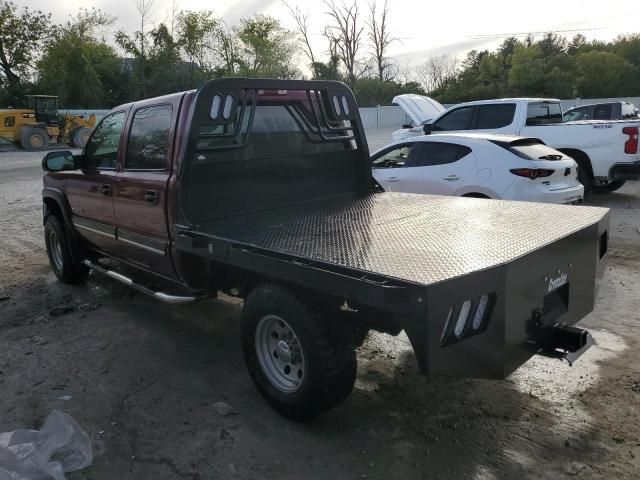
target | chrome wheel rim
x=280, y=353
x=56, y=250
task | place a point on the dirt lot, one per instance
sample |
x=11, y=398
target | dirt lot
x=141, y=378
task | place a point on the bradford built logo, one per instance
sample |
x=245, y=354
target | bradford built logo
x=557, y=282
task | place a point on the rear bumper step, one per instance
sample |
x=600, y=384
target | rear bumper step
x=162, y=296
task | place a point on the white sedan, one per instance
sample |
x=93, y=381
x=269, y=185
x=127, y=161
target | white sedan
x=478, y=165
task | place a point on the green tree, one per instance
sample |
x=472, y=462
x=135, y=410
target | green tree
x=197, y=34
x=604, y=74
x=527, y=74
x=22, y=35
x=268, y=49
x=81, y=69
x=166, y=72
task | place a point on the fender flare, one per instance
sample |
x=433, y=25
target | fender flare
x=57, y=196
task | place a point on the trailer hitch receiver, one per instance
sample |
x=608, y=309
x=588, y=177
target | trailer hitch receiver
x=569, y=339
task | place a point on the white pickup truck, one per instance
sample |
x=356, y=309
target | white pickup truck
x=606, y=151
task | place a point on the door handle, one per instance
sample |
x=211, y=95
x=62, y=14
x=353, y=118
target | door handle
x=451, y=178
x=151, y=196
x=105, y=189
x=393, y=179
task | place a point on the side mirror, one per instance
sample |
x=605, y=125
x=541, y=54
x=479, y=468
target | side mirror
x=426, y=128
x=407, y=125
x=59, y=161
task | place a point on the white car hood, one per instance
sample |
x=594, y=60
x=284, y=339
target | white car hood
x=419, y=108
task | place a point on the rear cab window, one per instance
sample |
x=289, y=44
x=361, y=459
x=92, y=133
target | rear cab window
x=283, y=123
x=576, y=114
x=497, y=115
x=148, y=142
x=543, y=113
x=602, y=112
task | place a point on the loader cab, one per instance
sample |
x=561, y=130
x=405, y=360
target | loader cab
x=45, y=108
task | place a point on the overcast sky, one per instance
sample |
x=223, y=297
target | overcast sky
x=426, y=28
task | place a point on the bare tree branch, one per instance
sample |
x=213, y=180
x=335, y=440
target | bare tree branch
x=345, y=35
x=144, y=9
x=302, y=27
x=437, y=71
x=380, y=39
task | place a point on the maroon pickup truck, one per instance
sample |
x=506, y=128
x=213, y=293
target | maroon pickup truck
x=262, y=189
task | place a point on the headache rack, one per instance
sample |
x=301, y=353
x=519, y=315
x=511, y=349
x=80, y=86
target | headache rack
x=299, y=140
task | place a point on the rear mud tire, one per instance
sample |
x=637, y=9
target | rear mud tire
x=59, y=253
x=609, y=187
x=585, y=178
x=327, y=351
x=34, y=139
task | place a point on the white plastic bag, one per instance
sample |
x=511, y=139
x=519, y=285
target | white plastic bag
x=60, y=446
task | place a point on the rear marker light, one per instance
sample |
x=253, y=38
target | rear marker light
x=532, y=173
x=462, y=318
x=471, y=318
x=479, y=315
x=336, y=105
x=631, y=145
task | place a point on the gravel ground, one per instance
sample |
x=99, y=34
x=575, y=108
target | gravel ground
x=142, y=378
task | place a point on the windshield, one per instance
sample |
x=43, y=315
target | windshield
x=543, y=113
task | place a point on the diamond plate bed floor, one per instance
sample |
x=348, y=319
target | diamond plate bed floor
x=417, y=238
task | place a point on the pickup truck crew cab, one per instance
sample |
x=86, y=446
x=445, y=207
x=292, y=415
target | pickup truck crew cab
x=263, y=189
x=606, y=151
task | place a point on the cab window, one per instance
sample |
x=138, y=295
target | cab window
x=497, y=115
x=395, y=158
x=458, y=119
x=575, y=114
x=438, y=153
x=101, y=150
x=602, y=112
x=544, y=113
x=148, y=143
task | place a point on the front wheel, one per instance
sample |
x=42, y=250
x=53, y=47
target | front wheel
x=34, y=139
x=59, y=253
x=302, y=363
x=609, y=187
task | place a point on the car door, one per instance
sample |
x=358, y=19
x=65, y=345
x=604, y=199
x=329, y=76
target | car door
x=90, y=190
x=388, y=165
x=141, y=186
x=437, y=168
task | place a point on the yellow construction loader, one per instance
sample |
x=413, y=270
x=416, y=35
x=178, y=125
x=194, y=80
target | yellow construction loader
x=39, y=126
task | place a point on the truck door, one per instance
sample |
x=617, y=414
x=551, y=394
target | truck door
x=437, y=168
x=90, y=191
x=141, y=185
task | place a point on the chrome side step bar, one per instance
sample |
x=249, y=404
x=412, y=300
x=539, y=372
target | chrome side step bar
x=163, y=297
